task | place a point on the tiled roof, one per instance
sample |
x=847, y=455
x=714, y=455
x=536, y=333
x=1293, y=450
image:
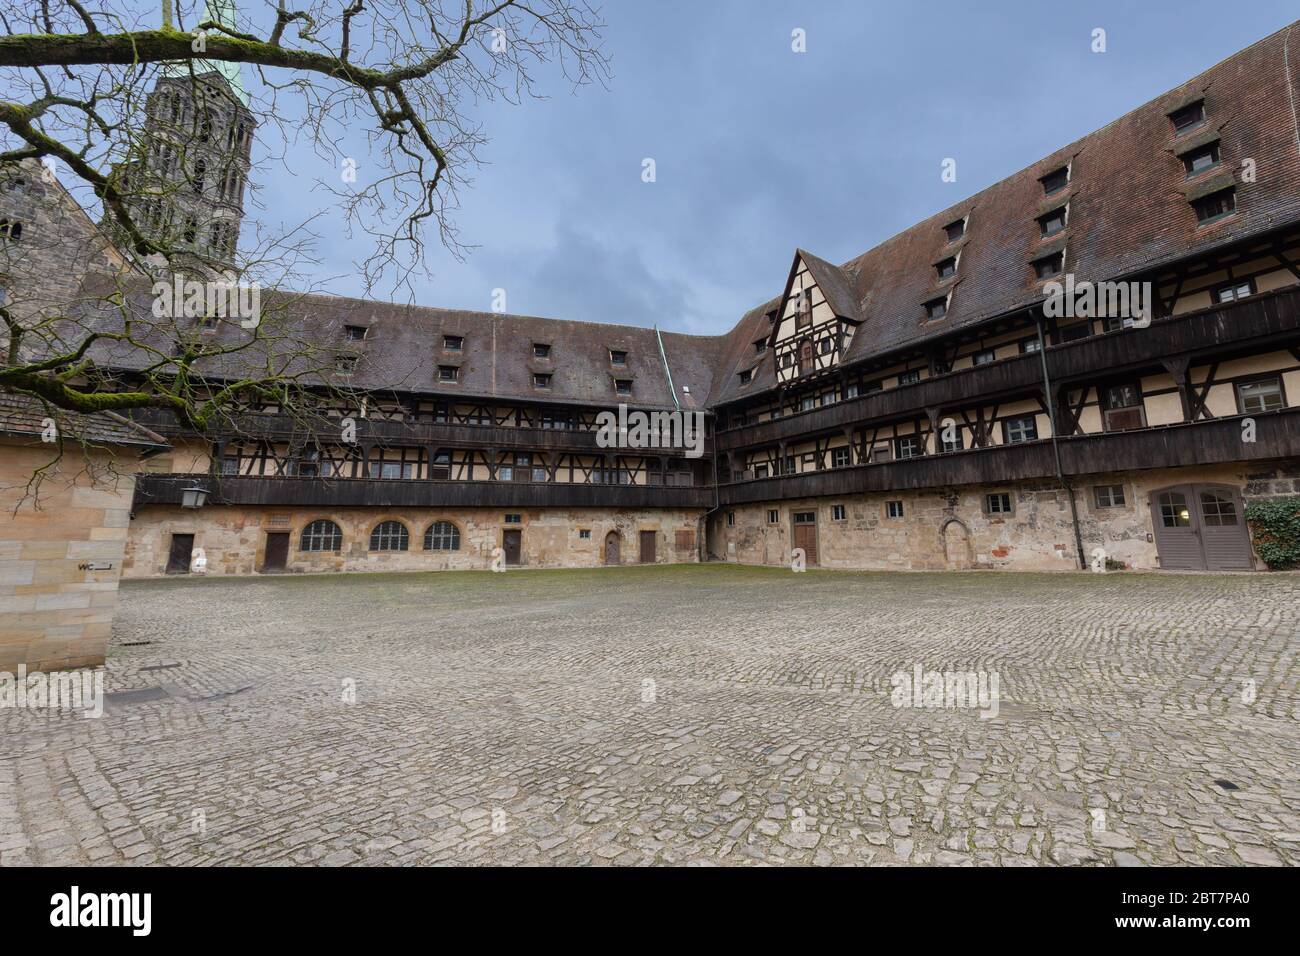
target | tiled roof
x=23, y=416
x=1128, y=211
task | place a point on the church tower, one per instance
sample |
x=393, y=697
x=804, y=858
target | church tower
x=186, y=176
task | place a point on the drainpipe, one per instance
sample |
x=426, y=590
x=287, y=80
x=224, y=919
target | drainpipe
x=1056, y=448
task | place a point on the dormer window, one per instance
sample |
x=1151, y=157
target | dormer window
x=946, y=268
x=453, y=343
x=760, y=346
x=1215, y=206
x=1188, y=117
x=346, y=364
x=1050, y=223
x=619, y=358
x=541, y=380
x=1199, y=160
x=448, y=373
x=955, y=230
x=936, y=308
x=541, y=350
x=1049, y=266
x=746, y=376
x=355, y=333
x=623, y=386
x=1055, y=181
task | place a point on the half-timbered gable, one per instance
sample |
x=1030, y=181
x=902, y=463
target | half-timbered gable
x=816, y=319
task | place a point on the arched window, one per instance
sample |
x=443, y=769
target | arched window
x=321, y=535
x=389, y=536
x=442, y=536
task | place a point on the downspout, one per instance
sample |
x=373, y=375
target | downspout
x=1056, y=448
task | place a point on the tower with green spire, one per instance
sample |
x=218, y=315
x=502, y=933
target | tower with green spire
x=186, y=176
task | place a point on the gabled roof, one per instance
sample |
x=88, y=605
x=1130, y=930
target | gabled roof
x=835, y=283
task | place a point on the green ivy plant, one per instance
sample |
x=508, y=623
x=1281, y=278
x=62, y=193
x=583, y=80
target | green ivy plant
x=1275, y=526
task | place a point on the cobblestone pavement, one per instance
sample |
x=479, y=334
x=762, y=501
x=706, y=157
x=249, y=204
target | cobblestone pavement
x=514, y=703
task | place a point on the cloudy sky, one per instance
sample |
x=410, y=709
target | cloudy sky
x=759, y=149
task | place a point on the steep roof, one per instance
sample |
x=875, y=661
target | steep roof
x=1128, y=211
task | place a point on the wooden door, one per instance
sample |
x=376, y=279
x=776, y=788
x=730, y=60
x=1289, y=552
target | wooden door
x=805, y=535
x=277, y=551
x=512, y=543
x=1224, y=536
x=612, y=555
x=648, y=547
x=1176, y=519
x=178, y=560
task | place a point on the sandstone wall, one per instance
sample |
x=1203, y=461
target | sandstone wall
x=59, y=563
x=234, y=538
x=951, y=529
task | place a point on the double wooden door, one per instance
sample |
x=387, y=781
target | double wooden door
x=1200, y=528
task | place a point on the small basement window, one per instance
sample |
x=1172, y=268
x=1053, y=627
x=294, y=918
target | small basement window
x=1108, y=496
x=1188, y=118
x=998, y=503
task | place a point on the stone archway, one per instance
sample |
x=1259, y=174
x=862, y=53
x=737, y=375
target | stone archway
x=958, y=555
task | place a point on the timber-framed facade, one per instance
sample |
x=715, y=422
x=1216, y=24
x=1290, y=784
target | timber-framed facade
x=922, y=406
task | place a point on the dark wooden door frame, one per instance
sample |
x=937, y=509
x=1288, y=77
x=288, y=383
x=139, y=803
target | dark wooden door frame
x=613, y=539
x=515, y=536
x=178, y=559
x=648, y=542
x=276, y=556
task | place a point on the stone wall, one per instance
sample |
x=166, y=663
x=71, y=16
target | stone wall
x=233, y=539
x=60, y=557
x=951, y=529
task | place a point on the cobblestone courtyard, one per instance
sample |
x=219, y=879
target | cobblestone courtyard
x=514, y=703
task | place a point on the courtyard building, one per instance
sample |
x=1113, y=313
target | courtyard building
x=1096, y=359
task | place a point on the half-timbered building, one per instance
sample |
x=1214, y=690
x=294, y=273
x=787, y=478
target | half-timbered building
x=1094, y=361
